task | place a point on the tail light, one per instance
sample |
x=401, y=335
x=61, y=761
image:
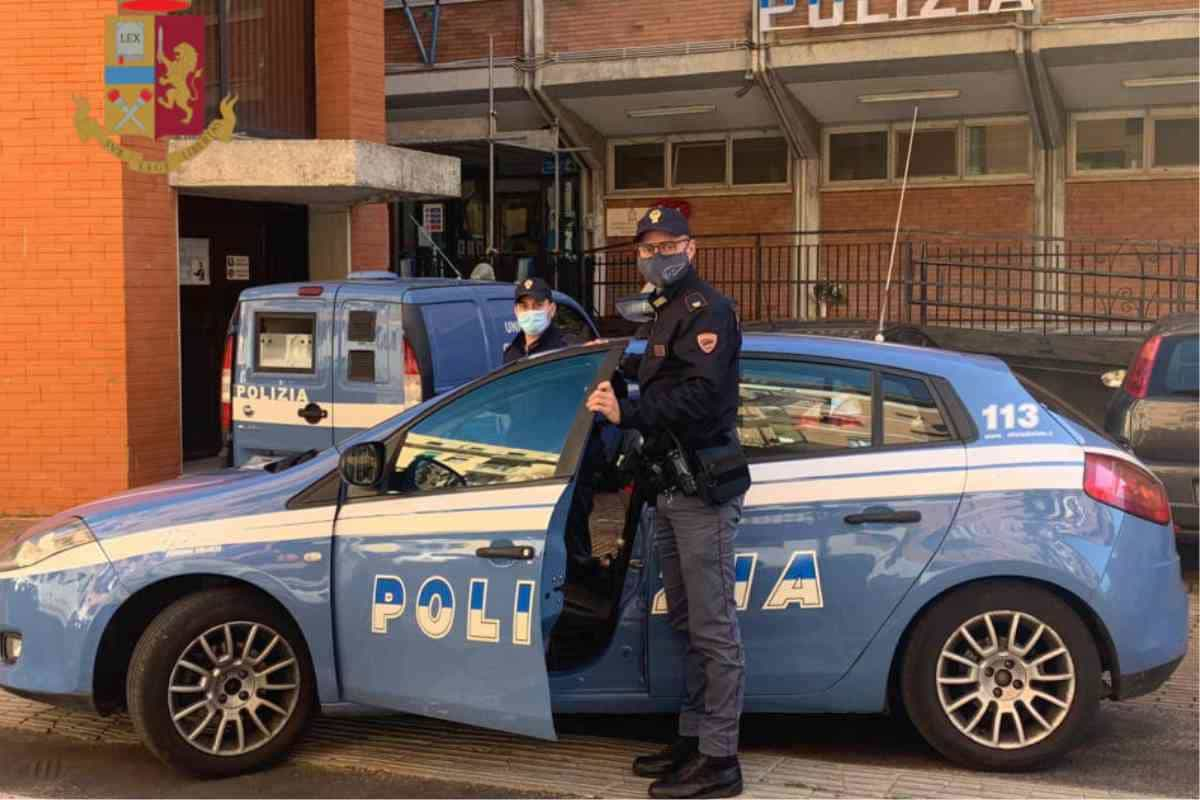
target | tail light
x=1124, y=485
x=1137, y=380
x=413, y=386
x=227, y=389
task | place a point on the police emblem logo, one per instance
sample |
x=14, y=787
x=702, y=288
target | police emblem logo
x=707, y=342
x=528, y=284
x=655, y=215
x=154, y=72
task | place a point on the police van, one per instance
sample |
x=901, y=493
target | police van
x=308, y=364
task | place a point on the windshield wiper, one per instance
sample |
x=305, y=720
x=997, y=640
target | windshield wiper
x=290, y=461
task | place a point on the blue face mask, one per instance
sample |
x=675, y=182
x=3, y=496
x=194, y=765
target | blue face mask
x=533, y=323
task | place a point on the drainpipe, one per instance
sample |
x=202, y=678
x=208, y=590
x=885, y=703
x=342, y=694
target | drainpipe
x=802, y=132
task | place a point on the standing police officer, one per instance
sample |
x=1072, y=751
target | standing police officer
x=688, y=382
x=535, y=309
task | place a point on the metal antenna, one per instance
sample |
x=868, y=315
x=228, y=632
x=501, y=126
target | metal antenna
x=912, y=135
x=433, y=244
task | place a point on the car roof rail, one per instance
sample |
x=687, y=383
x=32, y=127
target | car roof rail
x=373, y=275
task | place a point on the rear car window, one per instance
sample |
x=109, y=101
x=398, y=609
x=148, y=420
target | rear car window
x=796, y=408
x=284, y=342
x=910, y=414
x=1177, y=371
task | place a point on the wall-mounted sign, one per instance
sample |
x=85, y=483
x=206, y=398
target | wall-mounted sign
x=193, y=262
x=433, y=217
x=773, y=16
x=622, y=222
x=566, y=165
x=237, y=268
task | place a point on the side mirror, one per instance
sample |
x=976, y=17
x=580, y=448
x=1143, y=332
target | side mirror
x=363, y=464
x=636, y=308
x=1113, y=378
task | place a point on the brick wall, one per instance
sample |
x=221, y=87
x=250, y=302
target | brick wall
x=1061, y=9
x=463, y=31
x=1147, y=209
x=350, y=101
x=63, y=311
x=574, y=25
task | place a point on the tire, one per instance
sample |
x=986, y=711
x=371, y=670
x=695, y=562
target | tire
x=1034, y=728
x=256, y=681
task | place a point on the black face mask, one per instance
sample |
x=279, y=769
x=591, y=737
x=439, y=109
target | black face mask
x=663, y=270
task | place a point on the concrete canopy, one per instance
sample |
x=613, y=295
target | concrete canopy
x=326, y=172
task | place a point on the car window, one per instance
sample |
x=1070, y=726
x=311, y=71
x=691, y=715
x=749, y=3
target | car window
x=795, y=407
x=1178, y=369
x=284, y=342
x=509, y=430
x=574, y=327
x=910, y=414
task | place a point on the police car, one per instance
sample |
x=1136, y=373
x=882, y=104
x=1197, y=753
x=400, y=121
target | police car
x=921, y=534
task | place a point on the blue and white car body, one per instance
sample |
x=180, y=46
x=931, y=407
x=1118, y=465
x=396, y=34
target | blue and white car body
x=398, y=610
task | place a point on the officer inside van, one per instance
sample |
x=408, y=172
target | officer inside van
x=535, y=309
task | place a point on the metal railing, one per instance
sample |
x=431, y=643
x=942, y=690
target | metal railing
x=938, y=278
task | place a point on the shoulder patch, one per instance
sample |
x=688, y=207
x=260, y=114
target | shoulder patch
x=696, y=301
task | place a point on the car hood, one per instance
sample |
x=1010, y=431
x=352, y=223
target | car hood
x=225, y=493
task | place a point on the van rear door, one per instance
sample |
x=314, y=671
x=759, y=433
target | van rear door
x=459, y=346
x=282, y=393
x=368, y=383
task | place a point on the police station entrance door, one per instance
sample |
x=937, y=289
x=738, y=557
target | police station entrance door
x=225, y=246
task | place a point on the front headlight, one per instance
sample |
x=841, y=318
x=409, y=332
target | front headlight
x=39, y=543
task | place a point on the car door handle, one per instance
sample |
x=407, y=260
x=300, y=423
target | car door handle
x=312, y=413
x=511, y=553
x=882, y=515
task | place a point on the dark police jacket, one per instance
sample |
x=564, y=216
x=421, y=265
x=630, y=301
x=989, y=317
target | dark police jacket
x=551, y=339
x=688, y=377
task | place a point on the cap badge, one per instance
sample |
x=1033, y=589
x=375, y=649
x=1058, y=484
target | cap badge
x=655, y=216
x=528, y=284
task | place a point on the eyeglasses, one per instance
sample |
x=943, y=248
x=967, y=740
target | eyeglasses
x=665, y=248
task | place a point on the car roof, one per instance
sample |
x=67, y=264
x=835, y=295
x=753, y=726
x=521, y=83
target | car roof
x=382, y=283
x=934, y=361
x=1183, y=322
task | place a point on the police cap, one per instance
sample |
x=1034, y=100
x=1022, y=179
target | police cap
x=665, y=219
x=536, y=288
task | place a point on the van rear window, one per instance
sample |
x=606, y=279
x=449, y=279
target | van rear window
x=284, y=342
x=1177, y=372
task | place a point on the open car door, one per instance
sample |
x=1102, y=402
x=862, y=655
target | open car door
x=446, y=581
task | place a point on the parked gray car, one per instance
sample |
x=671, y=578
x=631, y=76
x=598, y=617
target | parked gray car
x=1155, y=412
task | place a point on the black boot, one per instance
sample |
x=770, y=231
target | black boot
x=701, y=776
x=667, y=759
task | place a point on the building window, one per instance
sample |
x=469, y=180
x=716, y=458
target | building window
x=760, y=160
x=262, y=51
x=709, y=161
x=1138, y=141
x=998, y=149
x=1109, y=144
x=934, y=153
x=954, y=150
x=639, y=166
x=1175, y=142
x=698, y=163
x=858, y=156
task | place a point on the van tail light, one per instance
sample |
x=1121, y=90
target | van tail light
x=227, y=389
x=413, y=385
x=1137, y=380
x=1124, y=485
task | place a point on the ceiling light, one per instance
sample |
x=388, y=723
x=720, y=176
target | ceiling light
x=897, y=97
x=1169, y=80
x=669, y=111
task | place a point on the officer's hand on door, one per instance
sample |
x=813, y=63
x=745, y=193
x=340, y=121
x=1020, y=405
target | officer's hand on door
x=604, y=401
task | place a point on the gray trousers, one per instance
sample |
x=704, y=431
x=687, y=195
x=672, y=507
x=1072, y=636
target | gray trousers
x=695, y=545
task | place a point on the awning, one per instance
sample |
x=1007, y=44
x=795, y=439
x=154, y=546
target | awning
x=327, y=172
